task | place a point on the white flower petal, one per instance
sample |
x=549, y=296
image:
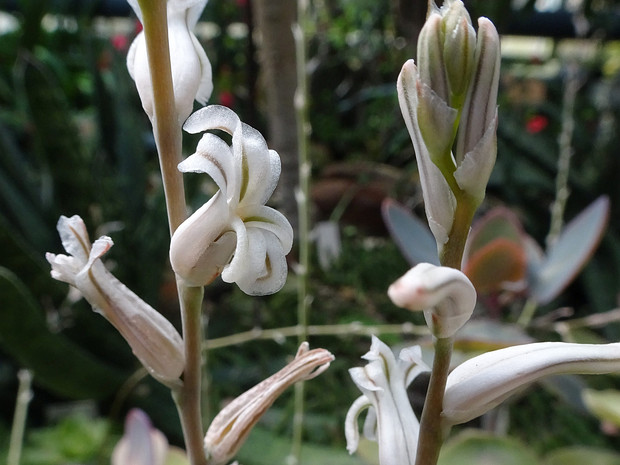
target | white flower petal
x=351, y=429
x=483, y=382
x=213, y=157
x=201, y=246
x=268, y=219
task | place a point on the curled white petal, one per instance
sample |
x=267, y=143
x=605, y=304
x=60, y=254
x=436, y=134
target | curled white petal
x=483, y=382
x=252, y=239
x=445, y=294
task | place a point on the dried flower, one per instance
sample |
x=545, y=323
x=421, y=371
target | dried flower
x=234, y=233
x=153, y=339
x=233, y=424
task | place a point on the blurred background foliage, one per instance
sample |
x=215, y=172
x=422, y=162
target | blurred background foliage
x=74, y=140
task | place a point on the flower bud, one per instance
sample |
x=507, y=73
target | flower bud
x=141, y=444
x=191, y=69
x=445, y=294
x=153, y=339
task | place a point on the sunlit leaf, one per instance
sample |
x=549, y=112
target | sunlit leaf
x=604, y=404
x=485, y=449
x=582, y=455
x=412, y=236
x=571, y=251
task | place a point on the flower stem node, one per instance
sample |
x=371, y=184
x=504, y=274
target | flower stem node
x=231, y=427
x=234, y=234
x=153, y=339
x=445, y=294
x=390, y=419
x=191, y=69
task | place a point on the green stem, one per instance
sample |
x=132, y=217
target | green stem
x=24, y=395
x=168, y=138
x=431, y=432
x=188, y=397
x=303, y=130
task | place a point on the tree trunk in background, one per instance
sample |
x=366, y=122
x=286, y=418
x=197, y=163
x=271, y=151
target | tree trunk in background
x=276, y=45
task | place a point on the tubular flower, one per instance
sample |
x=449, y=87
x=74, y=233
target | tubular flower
x=445, y=294
x=483, y=382
x=191, y=69
x=234, y=234
x=390, y=419
x=141, y=444
x=448, y=102
x=153, y=339
x=231, y=427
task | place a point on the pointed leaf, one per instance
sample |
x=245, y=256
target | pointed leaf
x=411, y=235
x=485, y=449
x=571, y=251
x=500, y=222
x=58, y=363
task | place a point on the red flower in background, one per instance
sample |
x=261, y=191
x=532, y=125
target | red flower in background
x=536, y=124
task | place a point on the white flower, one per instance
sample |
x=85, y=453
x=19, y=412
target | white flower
x=231, y=427
x=191, y=69
x=234, y=233
x=390, y=419
x=141, y=444
x=153, y=339
x=445, y=294
x=483, y=382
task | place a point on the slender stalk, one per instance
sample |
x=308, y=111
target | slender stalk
x=277, y=334
x=24, y=395
x=303, y=131
x=166, y=126
x=188, y=398
x=168, y=138
x=565, y=138
x=431, y=432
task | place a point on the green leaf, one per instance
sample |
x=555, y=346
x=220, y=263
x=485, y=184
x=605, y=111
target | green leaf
x=57, y=362
x=500, y=222
x=473, y=446
x=412, y=236
x=265, y=448
x=571, y=251
x=605, y=405
x=582, y=455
